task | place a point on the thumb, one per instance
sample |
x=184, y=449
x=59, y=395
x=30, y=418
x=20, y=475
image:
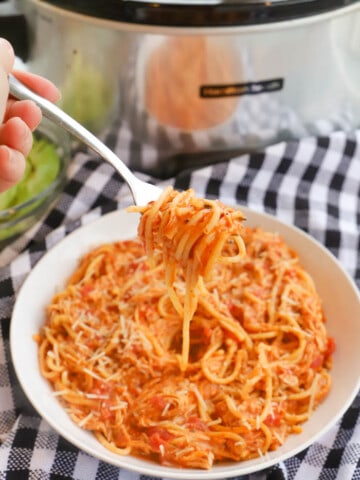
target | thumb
x=7, y=56
x=6, y=64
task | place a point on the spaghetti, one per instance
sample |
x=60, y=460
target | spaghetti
x=191, y=234
x=257, y=359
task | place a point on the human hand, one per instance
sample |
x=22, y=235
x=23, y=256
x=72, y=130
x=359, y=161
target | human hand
x=18, y=118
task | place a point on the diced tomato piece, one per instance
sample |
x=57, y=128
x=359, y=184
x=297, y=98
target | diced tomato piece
x=136, y=349
x=273, y=420
x=291, y=273
x=146, y=311
x=105, y=411
x=207, y=332
x=158, y=436
x=101, y=388
x=86, y=289
x=159, y=402
x=317, y=362
x=236, y=311
x=195, y=423
x=331, y=346
x=120, y=439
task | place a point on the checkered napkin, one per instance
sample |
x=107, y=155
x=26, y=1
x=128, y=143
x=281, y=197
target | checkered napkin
x=313, y=183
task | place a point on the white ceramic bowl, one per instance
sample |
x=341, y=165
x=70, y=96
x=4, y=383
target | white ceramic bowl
x=341, y=302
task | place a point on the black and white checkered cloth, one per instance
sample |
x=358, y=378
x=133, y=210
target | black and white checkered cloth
x=313, y=183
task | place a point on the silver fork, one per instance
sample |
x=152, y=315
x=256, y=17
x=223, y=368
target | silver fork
x=141, y=191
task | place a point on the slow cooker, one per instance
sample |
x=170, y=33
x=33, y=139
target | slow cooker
x=195, y=79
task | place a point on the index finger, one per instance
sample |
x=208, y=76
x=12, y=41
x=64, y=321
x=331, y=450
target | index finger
x=38, y=84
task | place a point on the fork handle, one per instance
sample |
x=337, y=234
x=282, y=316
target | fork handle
x=58, y=116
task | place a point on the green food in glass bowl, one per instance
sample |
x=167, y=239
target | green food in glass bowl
x=42, y=168
x=45, y=173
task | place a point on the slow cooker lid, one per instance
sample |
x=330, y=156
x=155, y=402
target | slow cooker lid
x=200, y=13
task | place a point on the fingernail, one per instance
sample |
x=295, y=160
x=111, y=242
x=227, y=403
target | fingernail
x=6, y=44
x=8, y=55
x=5, y=153
x=20, y=125
x=12, y=164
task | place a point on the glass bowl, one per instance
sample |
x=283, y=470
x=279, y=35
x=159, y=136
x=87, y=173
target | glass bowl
x=36, y=199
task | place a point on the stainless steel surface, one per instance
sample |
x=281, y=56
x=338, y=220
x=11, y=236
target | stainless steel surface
x=142, y=192
x=139, y=75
